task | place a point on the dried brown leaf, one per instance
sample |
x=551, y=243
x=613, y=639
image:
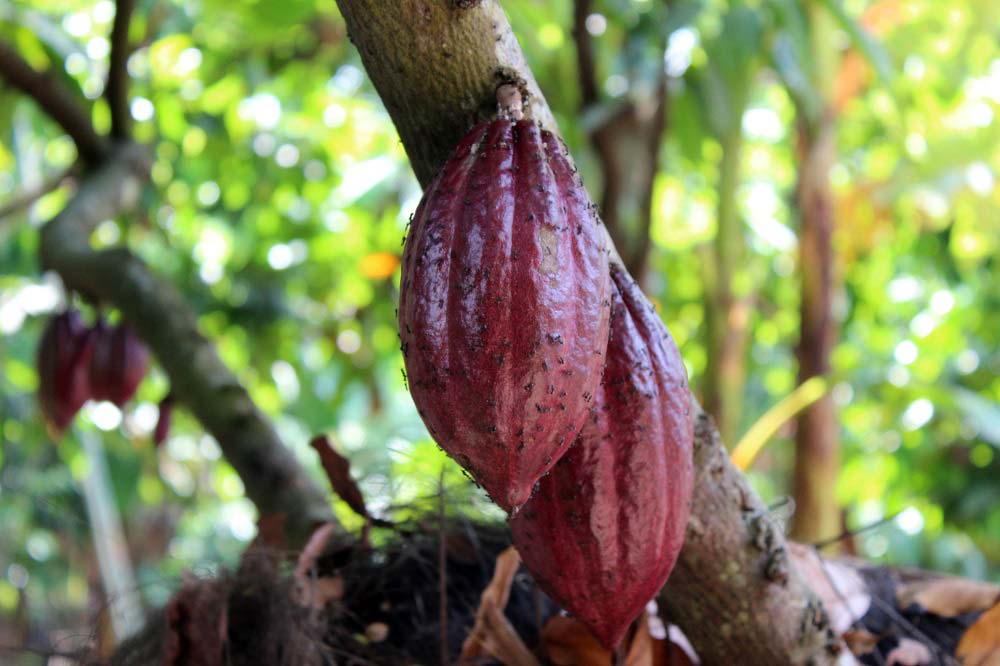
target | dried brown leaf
x=568, y=642
x=980, y=644
x=310, y=590
x=909, y=653
x=860, y=642
x=338, y=471
x=841, y=589
x=949, y=597
x=491, y=631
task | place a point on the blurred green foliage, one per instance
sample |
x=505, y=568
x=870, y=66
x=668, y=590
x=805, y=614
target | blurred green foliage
x=281, y=195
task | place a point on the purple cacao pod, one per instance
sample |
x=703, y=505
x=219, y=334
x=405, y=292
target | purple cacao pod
x=605, y=527
x=118, y=364
x=64, y=352
x=503, y=310
x=163, y=421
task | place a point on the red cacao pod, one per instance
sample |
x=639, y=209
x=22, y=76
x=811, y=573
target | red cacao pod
x=163, y=421
x=603, y=530
x=118, y=364
x=64, y=352
x=503, y=309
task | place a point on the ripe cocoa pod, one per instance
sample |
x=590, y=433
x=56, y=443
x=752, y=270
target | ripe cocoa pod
x=603, y=530
x=503, y=310
x=163, y=421
x=118, y=364
x=64, y=352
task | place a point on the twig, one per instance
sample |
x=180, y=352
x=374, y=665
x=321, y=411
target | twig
x=57, y=102
x=847, y=534
x=116, y=91
x=31, y=196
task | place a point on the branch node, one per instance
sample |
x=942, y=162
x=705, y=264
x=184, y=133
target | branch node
x=509, y=102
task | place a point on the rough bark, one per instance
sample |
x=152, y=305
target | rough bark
x=436, y=66
x=734, y=591
x=817, y=446
x=273, y=478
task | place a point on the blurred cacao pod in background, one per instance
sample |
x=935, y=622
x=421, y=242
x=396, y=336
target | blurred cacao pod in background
x=503, y=311
x=62, y=360
x=605, y=527
x=163, y=420
x=118, y=364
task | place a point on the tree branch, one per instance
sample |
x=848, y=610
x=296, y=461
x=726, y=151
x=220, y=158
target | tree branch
x=55, y=101
x=116, y=91
x=25, y=199
x=436, y=66
x=273, y=478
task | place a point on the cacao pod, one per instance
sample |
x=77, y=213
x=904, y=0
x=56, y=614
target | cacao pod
x=604, y=528
x=503, y=310
x=64, y=352
x=118, y=364
x=163, y=421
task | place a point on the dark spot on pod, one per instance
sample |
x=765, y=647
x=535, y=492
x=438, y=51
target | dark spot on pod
x=529, y=386
x=542, y=410
x=491, y=428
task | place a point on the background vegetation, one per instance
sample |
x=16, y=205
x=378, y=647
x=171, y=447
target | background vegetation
x=281, y=194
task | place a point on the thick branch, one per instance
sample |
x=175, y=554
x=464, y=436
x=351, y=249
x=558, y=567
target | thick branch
x=733, y=591
x=55, y=101
x=273, y=479
x=436, y=67
x=116, y=91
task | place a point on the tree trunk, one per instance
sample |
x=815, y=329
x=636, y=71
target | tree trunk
x=627, y=144
x=817, y=455
x=727, y=309
x=436, y=64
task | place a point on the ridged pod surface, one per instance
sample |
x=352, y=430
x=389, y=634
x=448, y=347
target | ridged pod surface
x=118, y=364
x=605, y=527
x=503, y=310
x=64, y=352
